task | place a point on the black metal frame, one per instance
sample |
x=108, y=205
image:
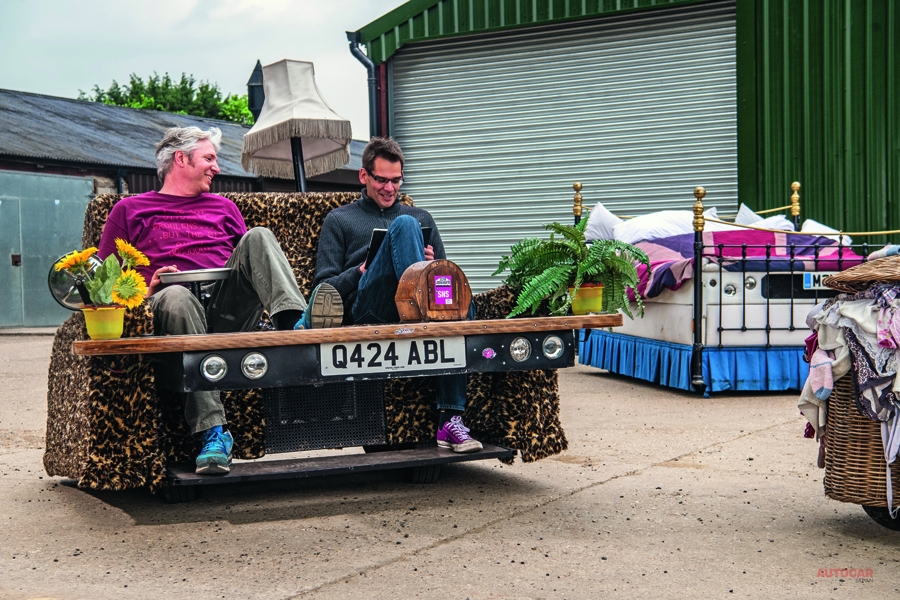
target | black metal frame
x=767, y=281
x=349, y=414
x=301, y=364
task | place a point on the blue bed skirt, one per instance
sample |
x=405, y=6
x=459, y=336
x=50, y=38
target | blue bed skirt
x=668, y=364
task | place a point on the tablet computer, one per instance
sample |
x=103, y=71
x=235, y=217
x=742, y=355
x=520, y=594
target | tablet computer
x=378, y=237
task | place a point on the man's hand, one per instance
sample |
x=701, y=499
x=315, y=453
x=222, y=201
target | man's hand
x=156, y=282
x=429, y=255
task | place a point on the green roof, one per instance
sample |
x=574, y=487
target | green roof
x=420, y=20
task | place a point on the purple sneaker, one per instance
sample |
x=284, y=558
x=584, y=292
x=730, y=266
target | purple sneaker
x=455, y=435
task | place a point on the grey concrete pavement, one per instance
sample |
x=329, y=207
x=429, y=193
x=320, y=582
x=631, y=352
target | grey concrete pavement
x=661, y=494
x=28, y=331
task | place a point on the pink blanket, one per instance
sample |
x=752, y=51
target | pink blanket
x=672, y=258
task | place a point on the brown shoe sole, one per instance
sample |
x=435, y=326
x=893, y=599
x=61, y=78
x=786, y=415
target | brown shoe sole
x=326, y=307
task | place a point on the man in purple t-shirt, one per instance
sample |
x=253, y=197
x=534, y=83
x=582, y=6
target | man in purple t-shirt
x=183, y=227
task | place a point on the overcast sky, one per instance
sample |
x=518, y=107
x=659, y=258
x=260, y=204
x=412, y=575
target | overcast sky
x=58, y=47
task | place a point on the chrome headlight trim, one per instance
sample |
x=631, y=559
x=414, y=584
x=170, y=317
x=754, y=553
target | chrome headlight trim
x=553, y=347
x=254, y=365
x=213, y=368
x=520, y=349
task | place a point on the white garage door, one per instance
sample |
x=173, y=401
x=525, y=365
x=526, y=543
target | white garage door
x=640, y=108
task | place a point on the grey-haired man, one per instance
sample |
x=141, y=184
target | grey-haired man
x=184, y=227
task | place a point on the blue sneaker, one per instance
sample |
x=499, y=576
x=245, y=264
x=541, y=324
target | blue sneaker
x=326, y=309
x=215, y=458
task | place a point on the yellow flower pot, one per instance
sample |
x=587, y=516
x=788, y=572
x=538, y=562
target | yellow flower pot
x=104, y=322
x=589, y=299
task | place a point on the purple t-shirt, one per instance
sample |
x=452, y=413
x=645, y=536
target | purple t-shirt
x=199, y=232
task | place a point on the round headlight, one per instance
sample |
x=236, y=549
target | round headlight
x=520, y=349
x=213, y=367
x=254, y=365
x=553, y=347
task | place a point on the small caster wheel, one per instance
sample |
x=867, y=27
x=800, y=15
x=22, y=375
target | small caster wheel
x=882, y=516
x=177, y=494
x=426, y=474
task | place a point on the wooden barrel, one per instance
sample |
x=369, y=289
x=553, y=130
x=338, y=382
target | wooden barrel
x=433, y=290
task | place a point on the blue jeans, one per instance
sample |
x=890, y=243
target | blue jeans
x=402, y=246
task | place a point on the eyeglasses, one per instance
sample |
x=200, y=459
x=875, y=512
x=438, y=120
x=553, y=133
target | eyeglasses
x=397, y=181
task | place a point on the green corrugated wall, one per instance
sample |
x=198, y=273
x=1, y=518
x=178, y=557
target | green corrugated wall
x=819, y=102
x=420, y=20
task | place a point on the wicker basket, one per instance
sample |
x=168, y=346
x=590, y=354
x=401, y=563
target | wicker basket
x=860, y=277
x=854, y=453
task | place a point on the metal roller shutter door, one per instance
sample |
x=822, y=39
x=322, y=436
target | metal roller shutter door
x=640, y=108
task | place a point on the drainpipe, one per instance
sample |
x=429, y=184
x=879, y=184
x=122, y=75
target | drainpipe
x=353, y=37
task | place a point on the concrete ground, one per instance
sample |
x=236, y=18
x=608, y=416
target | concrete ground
x=661, y=494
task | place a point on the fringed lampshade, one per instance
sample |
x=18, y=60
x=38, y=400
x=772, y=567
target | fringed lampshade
x=297, y=134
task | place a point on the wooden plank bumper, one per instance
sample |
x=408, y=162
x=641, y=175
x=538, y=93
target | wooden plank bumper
x=224, y=341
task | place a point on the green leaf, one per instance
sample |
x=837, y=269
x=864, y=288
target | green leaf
x=543, y=270
x=93, y=287
x=101, y=284
x=552, y=283
x=105, y=292
x=125, y=288
x=109, y=270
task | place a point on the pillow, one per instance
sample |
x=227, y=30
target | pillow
x=815, y=227
x=713, y=213
x=745, y=216
x=664, y=223
x=601, y=223
x=777, y=222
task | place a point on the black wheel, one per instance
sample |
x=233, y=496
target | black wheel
x=426, y=474
x=882, y=516
x=176, y=494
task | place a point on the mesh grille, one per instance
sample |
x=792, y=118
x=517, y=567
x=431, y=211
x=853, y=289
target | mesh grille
x=332, y=415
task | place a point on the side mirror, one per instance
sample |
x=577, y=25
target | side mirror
x=68, y=291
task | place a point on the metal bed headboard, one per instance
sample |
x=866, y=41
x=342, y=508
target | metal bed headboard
x=794, y=206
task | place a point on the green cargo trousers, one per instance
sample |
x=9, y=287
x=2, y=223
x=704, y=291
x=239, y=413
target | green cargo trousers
x=261, y=278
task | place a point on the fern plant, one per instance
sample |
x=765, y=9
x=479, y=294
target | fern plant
x=543, y=270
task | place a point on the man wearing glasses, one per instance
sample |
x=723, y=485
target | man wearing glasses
x=368, y=293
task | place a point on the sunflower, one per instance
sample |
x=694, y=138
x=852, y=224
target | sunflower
x=129, y=289
x=77, y=260
x=131, y=256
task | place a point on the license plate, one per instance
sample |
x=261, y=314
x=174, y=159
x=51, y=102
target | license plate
x=389, y=356
x=813, y=281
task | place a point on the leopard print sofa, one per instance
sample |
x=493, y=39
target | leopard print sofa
x=109, y=428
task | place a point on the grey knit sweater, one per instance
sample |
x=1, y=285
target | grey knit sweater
x=344, y=242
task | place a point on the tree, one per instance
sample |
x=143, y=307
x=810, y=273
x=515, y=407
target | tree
x=162, y=93
x=235, y=108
